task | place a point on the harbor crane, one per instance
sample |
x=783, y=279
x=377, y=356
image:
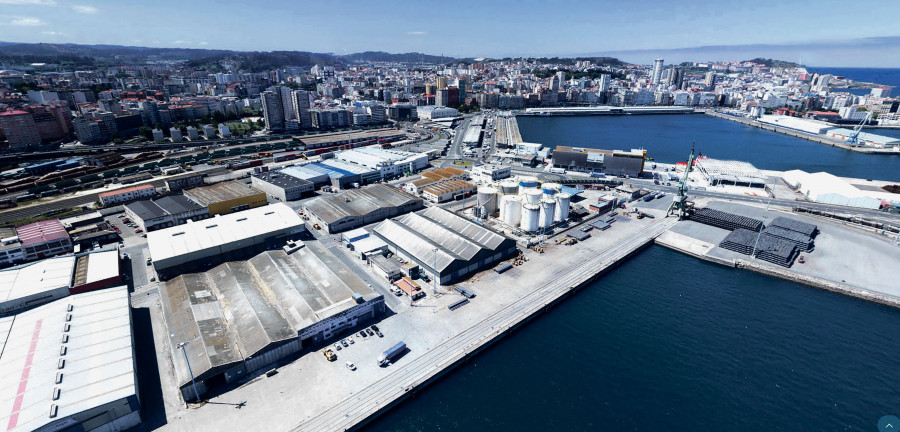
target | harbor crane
x=679, y=202
x=853, y=139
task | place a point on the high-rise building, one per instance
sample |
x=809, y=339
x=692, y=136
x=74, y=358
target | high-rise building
x=603, y=84
x=675, y=78
x=442, y=83
x=19, y=129
x=300, y=103
x=462, y=85
x=442, y=97
x=656, y=76
x=710, y=80
x=554, y=83
x=273, y=110
x=562, y=77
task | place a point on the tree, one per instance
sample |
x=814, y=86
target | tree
x=218, y=117
x=146, y=132
x=23, y=87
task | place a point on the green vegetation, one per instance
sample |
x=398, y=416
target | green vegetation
x=466, y=109
x=263, y=61
x=773, y=63
x=23, y=87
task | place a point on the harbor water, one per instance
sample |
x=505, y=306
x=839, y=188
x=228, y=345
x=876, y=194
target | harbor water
x=667, y=342
x=670, y=343
x=667, y=138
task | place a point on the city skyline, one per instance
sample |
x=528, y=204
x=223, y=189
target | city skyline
x=697, y=31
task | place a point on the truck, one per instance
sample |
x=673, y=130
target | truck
x=558, y=170
x=393, y=352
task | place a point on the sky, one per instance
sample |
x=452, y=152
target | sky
x=497, y=28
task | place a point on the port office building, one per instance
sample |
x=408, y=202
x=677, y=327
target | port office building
x=444, y=245
x=226, y=197
x=70, y=365
x=240, y=317
x=198, y=245
x=357, y=207
x=283, y=186
x=611, y=162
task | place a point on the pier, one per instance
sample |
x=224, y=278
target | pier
x=809, y=137
x=358, y=408
x=608, y=110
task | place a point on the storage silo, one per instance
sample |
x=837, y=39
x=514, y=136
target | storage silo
x=531, y=214
x=548, y=208
x=550, y=189
x=509, y=187
x=562, y=206
x=532, y=195
x=486, y=199
x=528, y=182
x=510, y=210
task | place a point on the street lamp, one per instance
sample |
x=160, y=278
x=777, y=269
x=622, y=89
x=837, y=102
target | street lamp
x=191, y=372
x=435, y=274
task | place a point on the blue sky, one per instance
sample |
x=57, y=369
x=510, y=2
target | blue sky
x=460, y=29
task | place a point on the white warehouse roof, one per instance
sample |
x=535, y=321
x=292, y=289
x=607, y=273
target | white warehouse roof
x=212, y=236
x=826, y=188
x=33, y=283
x=102, y=266
x=803, y=125
x=80, y=346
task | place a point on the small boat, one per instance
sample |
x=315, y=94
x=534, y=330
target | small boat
x=543, y=114
x=801, y=260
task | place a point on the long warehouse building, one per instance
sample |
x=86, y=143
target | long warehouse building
x=444, y=245
x=611, y=162
x=357, y=207
x=242, y=316
x=195, y=245
x=70, y=365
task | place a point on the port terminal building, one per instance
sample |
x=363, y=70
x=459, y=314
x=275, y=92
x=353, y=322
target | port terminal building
x=240, y=317
x=70, y=365
x=728, y=172
x=197, y=245
x=357, y=207
x=445, y=246
x=609, y=162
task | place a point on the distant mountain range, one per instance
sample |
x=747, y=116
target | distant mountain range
x=863, y=52
x=78, y=54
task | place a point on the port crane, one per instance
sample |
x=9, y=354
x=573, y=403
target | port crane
x=679, y=202
x=853, y=139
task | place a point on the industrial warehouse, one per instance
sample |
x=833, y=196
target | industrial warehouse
x=610, y=162
x=69, y=365
x=195, y=245
x=226, y=197
x=241, y=316
x=281, y=186
x=444, y=245
x=357, y=207
x=40, y=282
x=165, y=212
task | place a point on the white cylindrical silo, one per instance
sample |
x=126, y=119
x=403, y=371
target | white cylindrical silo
x=531, y=214
x=511, y=210
x=487, y=199
x=551, y=189
x=509, y=187
x=532, y=195
x=528, y=182
x=562, y=206
x=548, y=208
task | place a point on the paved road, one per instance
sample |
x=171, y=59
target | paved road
x=370, y=400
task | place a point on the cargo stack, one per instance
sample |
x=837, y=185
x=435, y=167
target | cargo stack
x=725, y=220
x=804, y=243
x=769, y=248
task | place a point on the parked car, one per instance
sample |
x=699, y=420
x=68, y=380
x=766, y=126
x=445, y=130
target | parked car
x=379, y=333
x=337, y=346
x=374, y=327
x=350, y=365
x=329, y=354
x=344, y=343
x=362, y=333
x=370, y=332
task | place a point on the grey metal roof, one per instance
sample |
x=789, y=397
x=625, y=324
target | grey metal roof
x=224, y=191
x=418, y=234
x=239, y=309
x=281, y=180
x=358, y=202
x=177, y=204
x=146, y=209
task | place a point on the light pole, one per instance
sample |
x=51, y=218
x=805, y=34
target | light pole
x=191, y=372
x=435, y=275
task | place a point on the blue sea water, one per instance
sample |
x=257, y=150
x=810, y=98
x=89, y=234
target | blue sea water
x=667, y=138
x=670, y=343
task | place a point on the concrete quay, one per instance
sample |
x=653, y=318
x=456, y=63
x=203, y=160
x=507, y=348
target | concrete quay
x=845, y=260
x=357, y=409
x=796, y=134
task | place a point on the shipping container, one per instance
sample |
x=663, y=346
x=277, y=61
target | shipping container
x=392, y=353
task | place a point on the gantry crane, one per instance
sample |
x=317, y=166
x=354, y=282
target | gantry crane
x=679, y=202
x=853, y=139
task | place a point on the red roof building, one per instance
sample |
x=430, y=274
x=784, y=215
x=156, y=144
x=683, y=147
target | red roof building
x=44, y=239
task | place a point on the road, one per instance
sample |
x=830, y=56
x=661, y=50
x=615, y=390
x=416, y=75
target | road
x=372, y=399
